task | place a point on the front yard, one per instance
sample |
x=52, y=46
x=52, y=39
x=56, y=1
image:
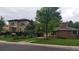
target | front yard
x=69, y=42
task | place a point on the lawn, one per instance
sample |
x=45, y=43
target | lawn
x=13, y=38
x=69, y=42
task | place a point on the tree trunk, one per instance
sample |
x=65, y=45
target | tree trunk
x=46, y=29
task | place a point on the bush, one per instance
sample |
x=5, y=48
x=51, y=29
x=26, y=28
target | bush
x=10, y=38
x=14, y=38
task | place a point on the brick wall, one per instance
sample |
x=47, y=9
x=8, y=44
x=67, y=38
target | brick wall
x=65, y=34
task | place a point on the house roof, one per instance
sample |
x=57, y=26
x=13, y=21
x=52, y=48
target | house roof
x=64, y=26
x=18, y=20
x=67, y=28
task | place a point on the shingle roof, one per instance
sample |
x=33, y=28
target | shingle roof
x=67, y=28
x=18, y=20
x=64, y=26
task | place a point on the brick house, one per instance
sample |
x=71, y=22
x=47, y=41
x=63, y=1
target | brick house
x=63, y=31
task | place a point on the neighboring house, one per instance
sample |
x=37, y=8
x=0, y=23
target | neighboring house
x=63, y=31
x=18, y=25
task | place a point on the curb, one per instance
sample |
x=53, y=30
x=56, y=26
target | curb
x=44, y=45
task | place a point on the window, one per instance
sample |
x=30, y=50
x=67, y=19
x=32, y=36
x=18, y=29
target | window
x=13, y=29
x=74, y=32
x=22, y=24
x=12, y=23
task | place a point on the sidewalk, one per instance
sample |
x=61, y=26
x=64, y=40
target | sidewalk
x=44, y=45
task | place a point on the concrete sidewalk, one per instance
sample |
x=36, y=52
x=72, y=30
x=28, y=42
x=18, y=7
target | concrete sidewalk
x=44, y=45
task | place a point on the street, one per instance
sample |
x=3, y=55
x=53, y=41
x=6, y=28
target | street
x=19, y=47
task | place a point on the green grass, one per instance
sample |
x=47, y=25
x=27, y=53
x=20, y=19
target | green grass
x=69, y=42
x=12, y=38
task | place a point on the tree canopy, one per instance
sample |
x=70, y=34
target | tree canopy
x=30, y=28
x=73, y=24
x=2, y=23
x=70, y=24
x=48, y=18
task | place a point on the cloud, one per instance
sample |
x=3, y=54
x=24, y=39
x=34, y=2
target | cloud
x=70, y=13
x=67, y=13
x=18, y=12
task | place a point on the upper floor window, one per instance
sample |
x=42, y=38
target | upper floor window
x=22, y=24
x=12, y=23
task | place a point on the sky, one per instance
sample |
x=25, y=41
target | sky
x=70, y=13
x=67, y=13
x=18, y=12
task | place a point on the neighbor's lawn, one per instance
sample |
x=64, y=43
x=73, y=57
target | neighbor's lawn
x=71, y=42
x=12, y=38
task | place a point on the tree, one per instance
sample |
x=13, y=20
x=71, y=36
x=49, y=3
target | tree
x=49, y=18
x=76, y=25
x=70, y=24
x=30, y=28
x=2, y=23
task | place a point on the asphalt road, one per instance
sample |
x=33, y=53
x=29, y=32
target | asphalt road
x=18, y=47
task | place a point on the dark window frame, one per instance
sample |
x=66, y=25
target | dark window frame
x=74, y=32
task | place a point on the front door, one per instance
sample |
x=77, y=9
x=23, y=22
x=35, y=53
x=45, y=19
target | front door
x=13, y=29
